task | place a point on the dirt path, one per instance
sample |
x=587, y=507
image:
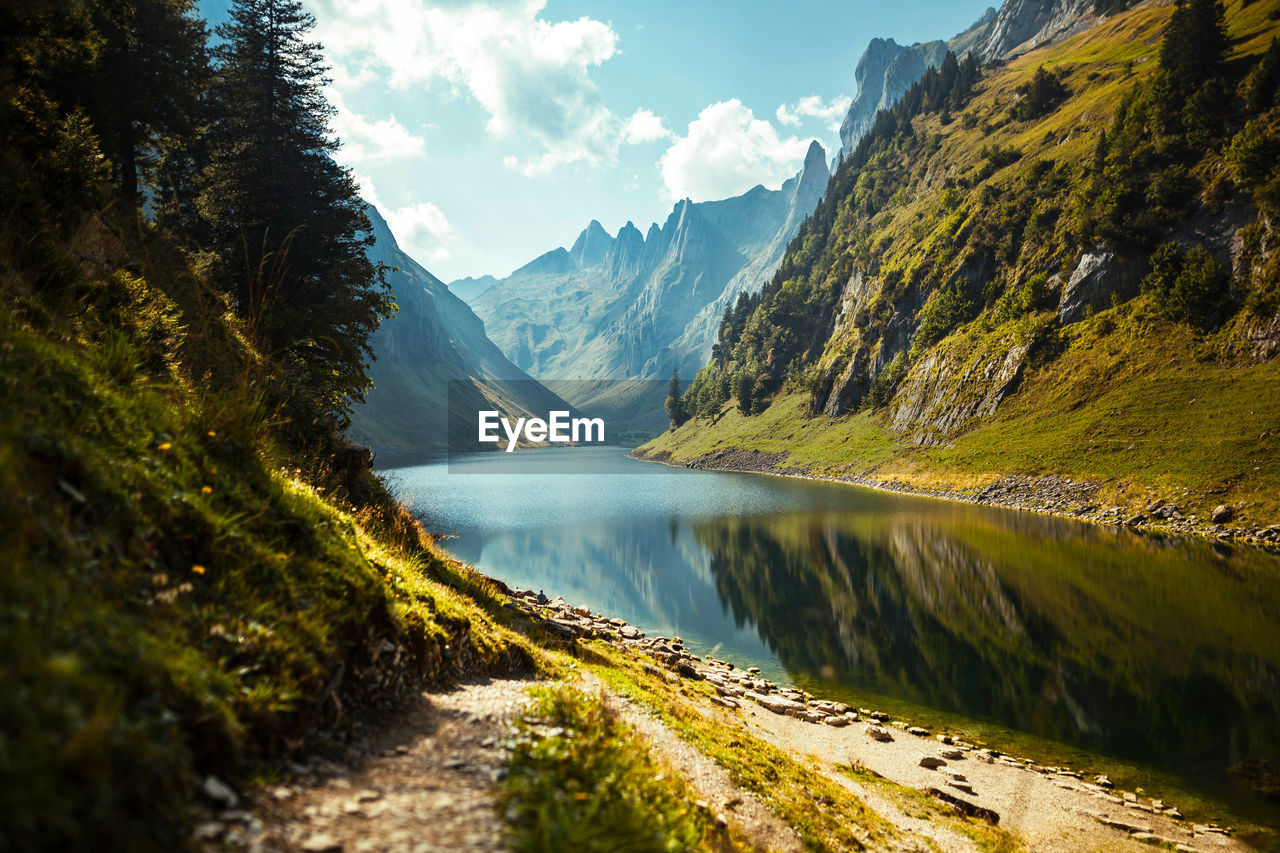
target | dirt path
x=426, y=783
x=741, y=808
x=423, y=784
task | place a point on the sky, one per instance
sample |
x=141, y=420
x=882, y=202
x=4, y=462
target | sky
x=490, y=131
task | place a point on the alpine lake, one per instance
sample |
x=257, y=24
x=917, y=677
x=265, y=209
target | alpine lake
x=1153, y=659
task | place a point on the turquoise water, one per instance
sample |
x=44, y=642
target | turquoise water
x=1154, y=657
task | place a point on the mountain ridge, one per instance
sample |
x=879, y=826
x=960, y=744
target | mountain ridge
x=628, y=306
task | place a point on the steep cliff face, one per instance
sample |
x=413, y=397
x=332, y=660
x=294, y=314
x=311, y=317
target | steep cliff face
x=887, y=70
x=432, y=340
x=634, y=306
x=1023, y=25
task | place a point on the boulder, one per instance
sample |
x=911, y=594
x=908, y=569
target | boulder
x=1221, y=514
x=879, y=733
x=931, y=761
x=776, y=704
x=1098, y=277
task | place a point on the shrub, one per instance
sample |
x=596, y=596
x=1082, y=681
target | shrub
x=951, y=307
x=1039, y=95
x=1188, y=285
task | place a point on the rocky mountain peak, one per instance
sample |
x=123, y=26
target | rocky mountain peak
x=591, y=246
x=815, y=158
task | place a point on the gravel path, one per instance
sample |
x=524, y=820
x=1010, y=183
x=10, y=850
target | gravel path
x=751, y=818
x=423, y=784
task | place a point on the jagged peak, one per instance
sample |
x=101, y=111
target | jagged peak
x=592, y=244
x=815, y=157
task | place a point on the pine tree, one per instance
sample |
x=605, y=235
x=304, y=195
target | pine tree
x=675, y=401
x=284, y=218
x=153, y=70
x=1195, y=45
x=1265, y=79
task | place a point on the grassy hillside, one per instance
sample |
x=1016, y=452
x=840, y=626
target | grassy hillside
x=926, y=326
x=190, y=586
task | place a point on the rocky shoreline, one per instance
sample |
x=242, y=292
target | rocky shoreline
x=1047, y=494
x=733, y=686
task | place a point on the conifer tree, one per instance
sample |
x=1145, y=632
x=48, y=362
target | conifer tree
x=153, y=69
x=675, y=401
x=283, y=217
x=1194, y=45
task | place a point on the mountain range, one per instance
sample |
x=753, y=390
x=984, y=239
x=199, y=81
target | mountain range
x=1061, y=261
x=636, y=305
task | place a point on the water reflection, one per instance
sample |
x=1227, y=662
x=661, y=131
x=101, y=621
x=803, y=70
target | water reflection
x=1160, y=651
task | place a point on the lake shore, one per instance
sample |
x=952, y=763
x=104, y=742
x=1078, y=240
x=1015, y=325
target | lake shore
x=1048, y=495
x=883, y=758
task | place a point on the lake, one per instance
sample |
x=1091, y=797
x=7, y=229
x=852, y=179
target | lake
x=1155, y=659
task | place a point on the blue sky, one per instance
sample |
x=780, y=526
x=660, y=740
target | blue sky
x=490, y=131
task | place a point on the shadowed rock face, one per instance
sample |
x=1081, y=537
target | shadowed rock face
x=433, y=339
x=634, y=306
x=1098, y=277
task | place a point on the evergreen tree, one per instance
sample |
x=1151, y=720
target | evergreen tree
x=744, y=388
x=153, y=69
x=1265, y=79
x=283, y=217
x=675, y=401
x=1039, y=95
x=1194, y=45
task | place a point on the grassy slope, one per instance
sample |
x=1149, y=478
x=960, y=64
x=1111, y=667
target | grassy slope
x=1131, y=399
x=179, y=597
x=1133, y=409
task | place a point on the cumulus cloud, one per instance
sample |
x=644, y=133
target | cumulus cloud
x=422, y=229
x=369, y=141
x=726, y=152
x=530, y=75
x=644, y=126
x=812, y=106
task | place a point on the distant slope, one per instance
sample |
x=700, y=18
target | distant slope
x=634, y=306
x=469, y=288
x=433, y=339
x=1069, y=271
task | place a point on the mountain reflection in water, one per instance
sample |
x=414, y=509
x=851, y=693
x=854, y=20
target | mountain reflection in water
x=1161, y=652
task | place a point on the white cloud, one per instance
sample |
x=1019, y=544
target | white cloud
x=644, y=126
x=726, y=152
x=530, y=75
x=364, y=140
x=812, y=106
x=422, y=229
